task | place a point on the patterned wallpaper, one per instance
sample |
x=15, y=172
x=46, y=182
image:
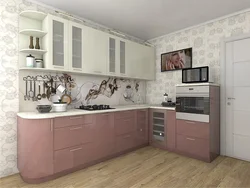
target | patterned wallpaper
x=205, y=41
x=9, y=76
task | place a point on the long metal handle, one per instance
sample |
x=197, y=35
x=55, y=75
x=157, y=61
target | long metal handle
x=75, y=128
x=231, y=98
x=78, y=117
x=51, y=125
x=192, y=139
x=72, y=150
x=127, y=136
x=190, y=122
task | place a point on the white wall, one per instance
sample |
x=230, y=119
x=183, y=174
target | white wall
x=9, y=76
x=205, y=40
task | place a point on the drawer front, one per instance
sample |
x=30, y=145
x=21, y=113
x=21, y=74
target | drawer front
x=123, y=126
x=124, y=142
x=72, y=157
x=68, y=121
x=125, y=114
x=142, y=114
x=193, y=129
x=72, y=120
x=194, y=146
x=68, y=137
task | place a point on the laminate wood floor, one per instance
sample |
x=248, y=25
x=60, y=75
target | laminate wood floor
x=150, y=167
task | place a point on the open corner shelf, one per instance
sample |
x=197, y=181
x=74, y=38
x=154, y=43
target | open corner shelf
x=33, y=32
x=33, y=51
x=33, y=14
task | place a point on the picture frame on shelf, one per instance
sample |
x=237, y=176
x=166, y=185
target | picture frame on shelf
x=176, y=60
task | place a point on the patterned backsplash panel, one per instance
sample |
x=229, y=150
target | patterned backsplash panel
x=86, y=90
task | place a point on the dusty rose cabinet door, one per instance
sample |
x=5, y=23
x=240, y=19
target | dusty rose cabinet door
x=142, y=127
x=35, y=148
x=171, y=130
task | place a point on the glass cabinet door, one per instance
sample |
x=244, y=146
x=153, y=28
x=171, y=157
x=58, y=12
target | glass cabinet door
x=112, y=57
x=76, y=48
x=58, y=43
x=122, y=58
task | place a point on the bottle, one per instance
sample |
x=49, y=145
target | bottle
x=165, y=97
x=31, y=46
x=37, y=44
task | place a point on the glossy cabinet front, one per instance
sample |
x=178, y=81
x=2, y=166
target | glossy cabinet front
x=65, y=144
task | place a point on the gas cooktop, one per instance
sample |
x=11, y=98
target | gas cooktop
x=94, y=107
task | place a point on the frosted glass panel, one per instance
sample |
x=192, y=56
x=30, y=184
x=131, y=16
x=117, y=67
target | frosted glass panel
x=111, y=55
x=122, y=57
x=76, y=47
x=58, y=43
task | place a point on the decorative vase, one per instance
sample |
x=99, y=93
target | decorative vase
x=31, y=46
x=37, y=43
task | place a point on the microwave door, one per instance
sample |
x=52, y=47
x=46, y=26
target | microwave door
x=191, y=75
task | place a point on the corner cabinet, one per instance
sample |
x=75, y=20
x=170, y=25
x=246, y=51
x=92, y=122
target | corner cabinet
x=57, y=42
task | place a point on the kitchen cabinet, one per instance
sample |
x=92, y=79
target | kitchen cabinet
x=95, y=50
x=104, y=135
x=56, y=42
x=141, y=135
x=117, y=57
x=76, y=42
x=162, y=128
x=35, y=148
x=140, y=61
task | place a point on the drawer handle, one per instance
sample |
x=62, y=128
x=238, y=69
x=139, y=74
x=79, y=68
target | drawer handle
x=72, y=150
x=141, y=130
x=127, y=136
x=78, y=117
x=192, y=139
x=190, y=122
x=75, y=128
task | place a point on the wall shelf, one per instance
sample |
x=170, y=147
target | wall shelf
x=33, y=32
x=33, y=14
x=33, y=51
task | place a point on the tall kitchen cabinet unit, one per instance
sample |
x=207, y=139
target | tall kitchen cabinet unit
x=162, y=128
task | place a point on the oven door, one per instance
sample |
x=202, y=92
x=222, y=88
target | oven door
x=193, y=108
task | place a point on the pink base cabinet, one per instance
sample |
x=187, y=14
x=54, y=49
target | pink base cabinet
x=50, y=148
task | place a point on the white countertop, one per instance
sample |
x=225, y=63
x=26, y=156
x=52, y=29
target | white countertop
x=74, y=112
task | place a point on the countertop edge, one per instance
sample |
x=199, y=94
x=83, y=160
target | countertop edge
x=75, y=112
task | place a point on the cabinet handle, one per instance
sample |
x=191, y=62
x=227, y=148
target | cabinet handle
x=75, y=128
x=141, y=130
x=72, y=150
x=57, y=67
x=190, y=122
x=98, y=72
x=192, y=139
x=127, y=136
x=51, y=125
x=78, y=117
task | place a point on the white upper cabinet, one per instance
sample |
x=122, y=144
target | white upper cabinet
x=76, y=41
x=140, y=61
x=57, y=43
x=74, y=47
x=95, y=52
x=117, y=57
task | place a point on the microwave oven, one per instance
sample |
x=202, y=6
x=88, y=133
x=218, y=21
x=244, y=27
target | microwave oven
x=197, y=74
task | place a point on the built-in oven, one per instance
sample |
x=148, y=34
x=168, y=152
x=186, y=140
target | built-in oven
x=193, y=103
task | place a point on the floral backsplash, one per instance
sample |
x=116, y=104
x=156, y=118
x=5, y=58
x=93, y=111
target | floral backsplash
x=86, y=90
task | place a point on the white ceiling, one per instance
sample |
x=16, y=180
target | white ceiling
x=147, y=19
